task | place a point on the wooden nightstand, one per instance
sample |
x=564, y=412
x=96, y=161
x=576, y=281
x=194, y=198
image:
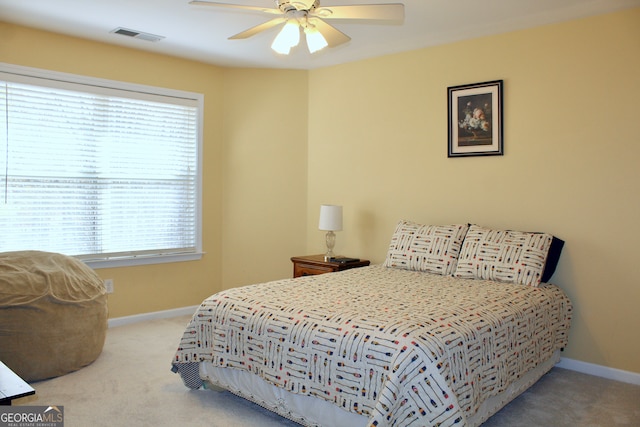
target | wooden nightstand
x=315, y=264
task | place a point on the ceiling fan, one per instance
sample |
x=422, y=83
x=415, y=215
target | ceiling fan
x=309, y=16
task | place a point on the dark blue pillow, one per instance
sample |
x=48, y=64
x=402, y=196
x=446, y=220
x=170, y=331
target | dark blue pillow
x=552, y=258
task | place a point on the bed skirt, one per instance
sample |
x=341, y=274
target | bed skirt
x=318, y=412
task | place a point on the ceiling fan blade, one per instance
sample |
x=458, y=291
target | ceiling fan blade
x=332, y=35
x=235, y=6
x=375, y=12
x=258, y=28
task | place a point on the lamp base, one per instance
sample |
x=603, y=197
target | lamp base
x=331, y=242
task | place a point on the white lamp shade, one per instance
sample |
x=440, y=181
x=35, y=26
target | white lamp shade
x=315, y=40
x=330, y=218
x=287, y=38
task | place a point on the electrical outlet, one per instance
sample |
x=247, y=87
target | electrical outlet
x=108, y=285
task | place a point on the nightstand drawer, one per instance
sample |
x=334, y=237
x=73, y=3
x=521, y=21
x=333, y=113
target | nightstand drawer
x=309, y=270
x=315, y=264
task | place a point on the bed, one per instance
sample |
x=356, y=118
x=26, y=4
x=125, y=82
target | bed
x=454, y=324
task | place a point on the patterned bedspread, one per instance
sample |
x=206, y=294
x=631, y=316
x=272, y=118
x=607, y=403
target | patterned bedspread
x=401, y=347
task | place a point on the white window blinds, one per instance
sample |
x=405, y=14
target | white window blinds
x=98, y=172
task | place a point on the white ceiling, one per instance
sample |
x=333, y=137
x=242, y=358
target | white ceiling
x=201, y=33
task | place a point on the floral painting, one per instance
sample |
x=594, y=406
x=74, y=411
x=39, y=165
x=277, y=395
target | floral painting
x=475, y=119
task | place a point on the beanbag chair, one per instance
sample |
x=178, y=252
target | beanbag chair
x=53, y=314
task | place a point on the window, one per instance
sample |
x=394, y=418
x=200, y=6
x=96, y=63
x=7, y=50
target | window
x=105, y=171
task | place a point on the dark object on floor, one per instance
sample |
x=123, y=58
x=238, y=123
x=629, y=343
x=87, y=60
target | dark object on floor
x=12, y=386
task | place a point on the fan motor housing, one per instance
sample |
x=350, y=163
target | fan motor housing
x=287, y=5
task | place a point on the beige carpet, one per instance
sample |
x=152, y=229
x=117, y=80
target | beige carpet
x=131, y=384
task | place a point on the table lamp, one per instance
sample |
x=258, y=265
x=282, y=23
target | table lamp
x=330, y=221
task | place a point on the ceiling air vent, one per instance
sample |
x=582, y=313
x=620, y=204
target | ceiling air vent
x=137, y=34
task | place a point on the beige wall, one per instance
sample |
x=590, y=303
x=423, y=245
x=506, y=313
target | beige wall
x=571, y=162
x=372, y=135
x=265, y=173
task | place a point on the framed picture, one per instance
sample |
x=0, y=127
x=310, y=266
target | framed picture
x=475, y=119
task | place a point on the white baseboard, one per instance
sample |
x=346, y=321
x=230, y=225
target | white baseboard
x=166, y=314
x=571, y=364
x=600, y=371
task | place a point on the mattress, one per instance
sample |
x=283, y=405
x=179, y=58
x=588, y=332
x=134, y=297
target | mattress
x=393, y=346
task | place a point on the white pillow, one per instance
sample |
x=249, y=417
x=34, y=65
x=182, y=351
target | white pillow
x=504, y=256
x=430, y=248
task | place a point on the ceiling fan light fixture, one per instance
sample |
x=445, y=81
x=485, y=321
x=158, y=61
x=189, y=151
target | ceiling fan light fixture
x=287, y=38
x=315, y=39
x=310, y=17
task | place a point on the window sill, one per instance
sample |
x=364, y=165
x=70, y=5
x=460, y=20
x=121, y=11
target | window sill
x=143, y=260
